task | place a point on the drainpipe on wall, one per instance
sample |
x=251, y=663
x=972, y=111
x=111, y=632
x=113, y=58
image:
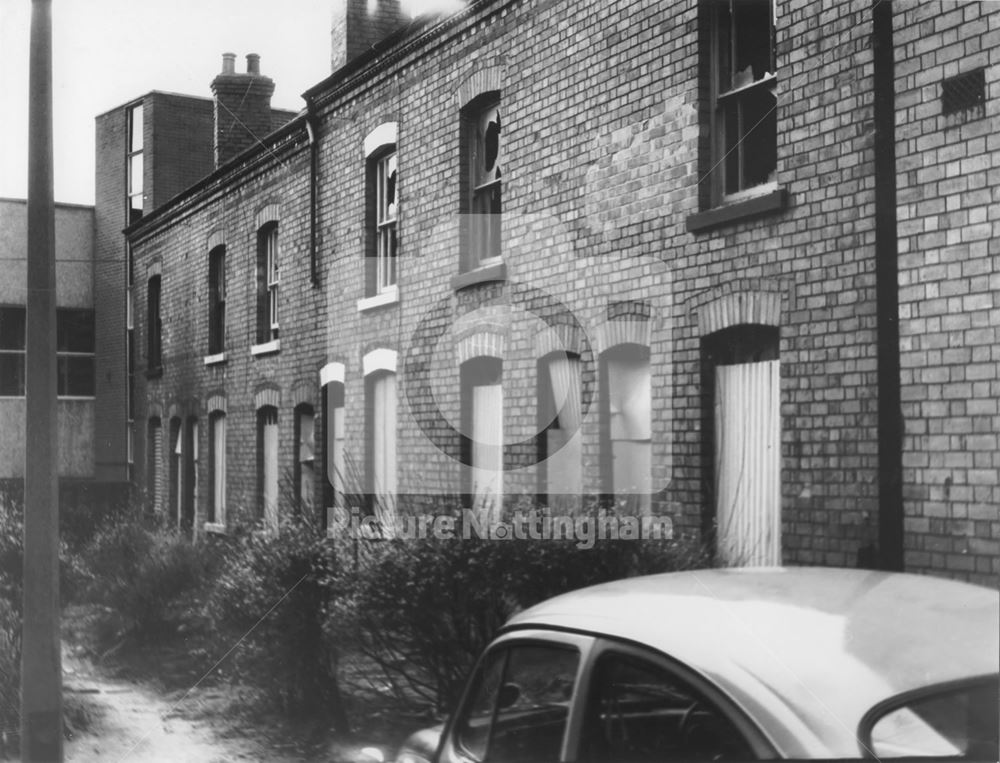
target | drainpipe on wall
x=890, y=419
x=312, y=130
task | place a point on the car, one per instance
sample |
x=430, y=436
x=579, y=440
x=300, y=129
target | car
x=735, y=664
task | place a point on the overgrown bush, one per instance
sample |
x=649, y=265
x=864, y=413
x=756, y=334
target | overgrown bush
x=270, y=600
x=421, y=610
x=141, y=573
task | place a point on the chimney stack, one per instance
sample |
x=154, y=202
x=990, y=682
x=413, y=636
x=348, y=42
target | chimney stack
x=360, y=24
x=242, y=107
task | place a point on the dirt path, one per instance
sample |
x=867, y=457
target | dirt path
x=130, y=722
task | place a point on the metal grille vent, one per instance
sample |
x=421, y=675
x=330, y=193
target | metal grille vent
x=963, y=92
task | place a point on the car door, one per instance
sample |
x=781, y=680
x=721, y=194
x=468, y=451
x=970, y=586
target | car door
x=518, y=706
x=637, y=705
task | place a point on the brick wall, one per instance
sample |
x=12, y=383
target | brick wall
x=601, y=110
x=948, y=172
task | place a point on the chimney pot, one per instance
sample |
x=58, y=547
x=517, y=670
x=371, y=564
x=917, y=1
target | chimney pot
x=253, y=63
x=228, y=63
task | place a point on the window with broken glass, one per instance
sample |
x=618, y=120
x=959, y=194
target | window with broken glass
x=743, y=94
x=485, y=171
x=217, y=300
x=385, y=222
x=268, y=281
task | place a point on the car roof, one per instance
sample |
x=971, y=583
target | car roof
x=805, y=651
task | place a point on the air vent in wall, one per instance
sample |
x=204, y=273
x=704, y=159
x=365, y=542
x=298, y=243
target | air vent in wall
x=963, y=92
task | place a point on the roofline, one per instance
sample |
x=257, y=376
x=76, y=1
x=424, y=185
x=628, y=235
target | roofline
x=421, y=31
x=131, y=101
x=240, y=164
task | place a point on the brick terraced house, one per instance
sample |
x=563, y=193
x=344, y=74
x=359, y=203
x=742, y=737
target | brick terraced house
x=734, y=262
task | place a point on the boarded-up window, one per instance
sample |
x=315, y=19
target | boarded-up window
x=306, y=461
x=483, y=426
x=382, y=441
x=560, y=412
x=335, y=464
x=627, y=408
x=748, y=463
x=267, y=464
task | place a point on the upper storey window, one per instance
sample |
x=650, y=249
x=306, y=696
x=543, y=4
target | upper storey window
x=268, y=280
x=744, y=113
x=484, y=162
x=134, y=161
x=384, y=228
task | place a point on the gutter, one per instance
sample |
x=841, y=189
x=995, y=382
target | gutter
x=890, y=554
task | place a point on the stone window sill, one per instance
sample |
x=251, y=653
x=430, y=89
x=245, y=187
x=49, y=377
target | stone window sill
x=388, y=297
x=775, y=200
x=154, y=372
x=217, y=528
x=496, y=271
x=267, y=348
x=214, y=360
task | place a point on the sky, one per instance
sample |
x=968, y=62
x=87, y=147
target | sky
x=107, y=52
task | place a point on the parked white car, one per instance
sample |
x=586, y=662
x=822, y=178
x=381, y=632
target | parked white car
x=735, y=664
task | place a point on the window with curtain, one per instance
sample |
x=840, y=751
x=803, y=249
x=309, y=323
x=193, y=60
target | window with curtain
x=176, y=468
x=267, y=465
x=305, y=472
x=334, y=430
x=482, y=425
x=382, y=436
x=560, y=444
x=383, y=198
x=217, y=467
x=189, y=507
x=626, y=457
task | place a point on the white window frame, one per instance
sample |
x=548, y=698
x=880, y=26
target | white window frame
x=484, y=231
x=386, y=214
x=273, y=276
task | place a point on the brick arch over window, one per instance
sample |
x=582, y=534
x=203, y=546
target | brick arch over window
x=483, y=80
x=215, y=238
x=560, y=338
x=184, y=408
x=383, y=135
x=153, y=268
x=303, y=392
x=215, y=403
x=267, y=396
x=622, y=331
x=755, y=307
x=331, y=373
x=154, y=411
x=270, y=213
x=380, y=359
x=482, y=343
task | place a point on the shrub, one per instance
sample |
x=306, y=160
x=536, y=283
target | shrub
x=421, y=611
x=140, y=573
x=271, y=598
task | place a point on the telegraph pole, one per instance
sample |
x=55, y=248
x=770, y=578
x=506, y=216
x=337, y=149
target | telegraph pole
x=41, y=665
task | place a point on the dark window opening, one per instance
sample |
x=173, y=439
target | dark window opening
x=217, y=300
x=154, y=326
x=75, y=344
x=743, y=106
x=12, y=351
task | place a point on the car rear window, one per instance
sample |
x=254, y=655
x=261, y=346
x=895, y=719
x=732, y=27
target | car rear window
x=957, y=720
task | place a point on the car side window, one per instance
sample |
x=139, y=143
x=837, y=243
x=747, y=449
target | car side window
x=520, y=704
x=638, y=711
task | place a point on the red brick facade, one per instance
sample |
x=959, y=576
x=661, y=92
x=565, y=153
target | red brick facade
x=608, y=238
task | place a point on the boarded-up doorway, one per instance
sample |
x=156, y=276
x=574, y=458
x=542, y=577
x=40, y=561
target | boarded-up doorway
x=746, y=439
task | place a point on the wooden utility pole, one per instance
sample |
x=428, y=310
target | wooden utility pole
x=41, y=671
